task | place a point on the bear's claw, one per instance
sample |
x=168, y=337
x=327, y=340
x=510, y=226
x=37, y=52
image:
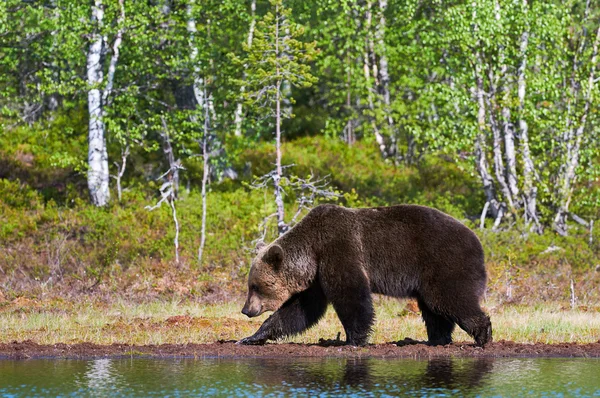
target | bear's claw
x=251, y=341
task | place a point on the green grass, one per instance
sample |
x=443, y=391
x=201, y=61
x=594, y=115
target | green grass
x=186, y=322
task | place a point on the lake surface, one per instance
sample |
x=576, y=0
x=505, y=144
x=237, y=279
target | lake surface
x=301, y=377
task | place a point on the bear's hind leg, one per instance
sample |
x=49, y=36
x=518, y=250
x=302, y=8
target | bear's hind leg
x=299, y=313
x=439, y=328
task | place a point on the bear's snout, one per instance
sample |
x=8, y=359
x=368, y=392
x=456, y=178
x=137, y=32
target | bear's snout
x=246, y=312
x=249, y=311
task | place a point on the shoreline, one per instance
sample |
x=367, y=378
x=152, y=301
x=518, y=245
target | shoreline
x=325, y=349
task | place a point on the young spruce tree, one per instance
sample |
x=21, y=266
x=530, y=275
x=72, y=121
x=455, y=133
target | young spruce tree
x=277, y=55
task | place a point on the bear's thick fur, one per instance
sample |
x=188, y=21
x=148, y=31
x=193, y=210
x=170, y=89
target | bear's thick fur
x=340, y=256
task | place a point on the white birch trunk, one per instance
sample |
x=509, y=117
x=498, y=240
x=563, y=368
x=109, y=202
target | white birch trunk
x=529, y=189
x=367, y=71
x=205, y=174
x=507, y=127
x=112, y=67
x=480, y=141
x=98, y=173
x=176, y=221
x=348, y=134
x=371, y=46
x=498, y=162
x=121, y=170
x=384, y=74
x=572, y=161
x=199, y=81
x=480, y=151
x=202, y=100
x=239, y=111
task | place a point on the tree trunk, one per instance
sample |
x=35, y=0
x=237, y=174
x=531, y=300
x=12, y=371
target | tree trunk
x=529, y=190
x=112, y=67
x=98, y=173
x=281, y=225
x=498, y=162
x=509, y=148
x=205, y=174
x=174, y=164
x=385, y=77
x=202, y=102
x=121, y=170
x=572, y=160
x=198, y=80
x=480, y=150
x=509, y=174
x=348, y=135
x=480, y=141
x=239, y=109
x=367, y=71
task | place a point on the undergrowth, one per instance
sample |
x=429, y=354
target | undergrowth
x=54, y=243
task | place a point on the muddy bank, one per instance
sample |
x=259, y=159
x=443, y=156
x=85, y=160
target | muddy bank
x=228, y=349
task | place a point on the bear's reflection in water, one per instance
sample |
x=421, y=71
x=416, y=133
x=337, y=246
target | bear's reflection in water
x=369, y=374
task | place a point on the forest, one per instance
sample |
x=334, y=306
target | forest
x=147, y=146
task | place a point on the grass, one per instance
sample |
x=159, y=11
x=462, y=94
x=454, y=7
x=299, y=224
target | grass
x=187, y=322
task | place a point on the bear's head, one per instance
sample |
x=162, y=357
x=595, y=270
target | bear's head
x=267, y=289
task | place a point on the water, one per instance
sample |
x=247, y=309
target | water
x=301, y=377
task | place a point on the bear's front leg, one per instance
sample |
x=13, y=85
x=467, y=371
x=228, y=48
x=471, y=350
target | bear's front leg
x=357, y=316
x=347, y=287
x=299, y=313
x=255, y=339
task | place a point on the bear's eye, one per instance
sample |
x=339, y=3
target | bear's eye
x=254, y=288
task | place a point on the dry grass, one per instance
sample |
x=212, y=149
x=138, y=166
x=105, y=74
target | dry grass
x=181, y=322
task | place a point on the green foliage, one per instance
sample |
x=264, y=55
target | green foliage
x=331, y=53
x=276, y=55
x=359, y=169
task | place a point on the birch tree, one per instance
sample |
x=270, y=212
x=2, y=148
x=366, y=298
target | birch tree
x=239, y=110
x=98, y=97
x=575, y=137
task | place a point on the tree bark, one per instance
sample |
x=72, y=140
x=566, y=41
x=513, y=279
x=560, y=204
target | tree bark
x=385, y=76
x=281, y=225
x=572, y=160
x=480, y=140
x=112, y=67
x=202, y=101
x=121, y=170
x=348, y=135
x=480, y=150
x=529, y=189
x=509, y=173
x=98, y=173
x=367, y=71
x=205, y=174
x=498, y=162
x=174, y=164
x=239, y=109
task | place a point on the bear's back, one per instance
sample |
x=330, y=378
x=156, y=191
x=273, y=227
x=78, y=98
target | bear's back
x=404, y=246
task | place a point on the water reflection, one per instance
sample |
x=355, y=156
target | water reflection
x=297, y=376
x=368, y=373
x=450, y=374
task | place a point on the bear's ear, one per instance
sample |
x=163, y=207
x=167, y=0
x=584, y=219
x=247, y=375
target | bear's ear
x=274, y=256
x=259, y=245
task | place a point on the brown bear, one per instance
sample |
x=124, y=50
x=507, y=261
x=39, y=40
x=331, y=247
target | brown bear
x=341, y=256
